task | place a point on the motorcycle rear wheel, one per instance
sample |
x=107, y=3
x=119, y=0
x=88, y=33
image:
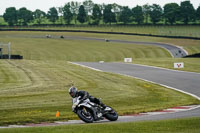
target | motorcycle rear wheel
x=112, y=116
x=85, y=115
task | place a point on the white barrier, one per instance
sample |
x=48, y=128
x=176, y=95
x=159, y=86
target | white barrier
x=101, y=61
x=128, y=60
x=8, y=49
x=179, y=65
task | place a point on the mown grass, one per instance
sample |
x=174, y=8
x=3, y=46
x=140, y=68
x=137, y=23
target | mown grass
x=43, y=91
x=40, y=48
x=190, y=64
x=34, y=89
x=34, y=45
x=190, y=31
x=192, y=46
x=190, y=125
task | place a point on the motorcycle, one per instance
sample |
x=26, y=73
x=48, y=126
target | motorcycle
x=90, y=112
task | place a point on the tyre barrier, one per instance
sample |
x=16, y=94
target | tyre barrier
x=193, y=56
x=11, y=57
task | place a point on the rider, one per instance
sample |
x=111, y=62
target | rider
x=84, y=95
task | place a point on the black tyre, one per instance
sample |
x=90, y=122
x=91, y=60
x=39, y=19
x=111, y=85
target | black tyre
x=85, y=115
x=112, y=116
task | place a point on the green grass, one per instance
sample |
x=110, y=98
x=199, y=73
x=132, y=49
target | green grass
x=39, y=89
x=34, y=89
x=80, y=50
x=75, y=50
x=191, y=31
x=154, y=30
x=190, y=64
x=192, y=46
x=190, y=125
x=2, y=22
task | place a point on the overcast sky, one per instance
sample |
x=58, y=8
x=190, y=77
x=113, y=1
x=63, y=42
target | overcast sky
x=44, y=5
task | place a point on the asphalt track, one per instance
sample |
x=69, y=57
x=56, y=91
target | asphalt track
x=187, y=82
x=176, y=52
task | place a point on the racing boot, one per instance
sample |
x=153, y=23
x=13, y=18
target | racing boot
x=105, y=108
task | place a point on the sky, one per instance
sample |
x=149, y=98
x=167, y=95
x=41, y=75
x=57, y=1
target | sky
x=44, y=5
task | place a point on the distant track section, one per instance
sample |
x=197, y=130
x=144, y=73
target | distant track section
x=176, y=52
x=102, y=32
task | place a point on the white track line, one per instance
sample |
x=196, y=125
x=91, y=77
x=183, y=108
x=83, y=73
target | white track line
x=165, y=68
x=85, y=66
x=145, y=79
x=170, y=110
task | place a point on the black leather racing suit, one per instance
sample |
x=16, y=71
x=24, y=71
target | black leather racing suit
x=84, y=95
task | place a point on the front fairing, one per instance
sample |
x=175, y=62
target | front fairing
x=76, y=104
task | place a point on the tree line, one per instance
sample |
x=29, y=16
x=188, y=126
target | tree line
x=91, y=13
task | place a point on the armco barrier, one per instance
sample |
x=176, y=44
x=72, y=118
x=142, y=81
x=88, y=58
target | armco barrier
x=118, y=33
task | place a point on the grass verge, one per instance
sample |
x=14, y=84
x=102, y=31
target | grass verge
x=190, y=64
x=40, y=90
x=190, y=125
x=192, y=46
x=190, y=30
x=34, y=89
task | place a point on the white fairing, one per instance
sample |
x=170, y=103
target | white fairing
x=108, y=109
x=85, y=103
x=76, y=101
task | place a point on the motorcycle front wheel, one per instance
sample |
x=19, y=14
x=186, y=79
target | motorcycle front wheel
x=85, y=115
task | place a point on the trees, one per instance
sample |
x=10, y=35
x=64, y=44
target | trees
x=187, y=12
x=138, y=14
x=171, y=11
x=39, y=15
x=67, y=13
x=24, y=15
x=146, y=10
x=60, y=14
x=74, y=9
x=117, y=9
x=96, y=14
x=125, y=15
x=156, y=13
x=82, y=14
x=198, y=13
x=88, y=5
x=52, y=14
x=10, y=16
x=108, y=15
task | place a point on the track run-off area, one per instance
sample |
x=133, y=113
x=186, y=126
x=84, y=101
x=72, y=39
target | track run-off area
x=185, y=82
x=175, y=51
